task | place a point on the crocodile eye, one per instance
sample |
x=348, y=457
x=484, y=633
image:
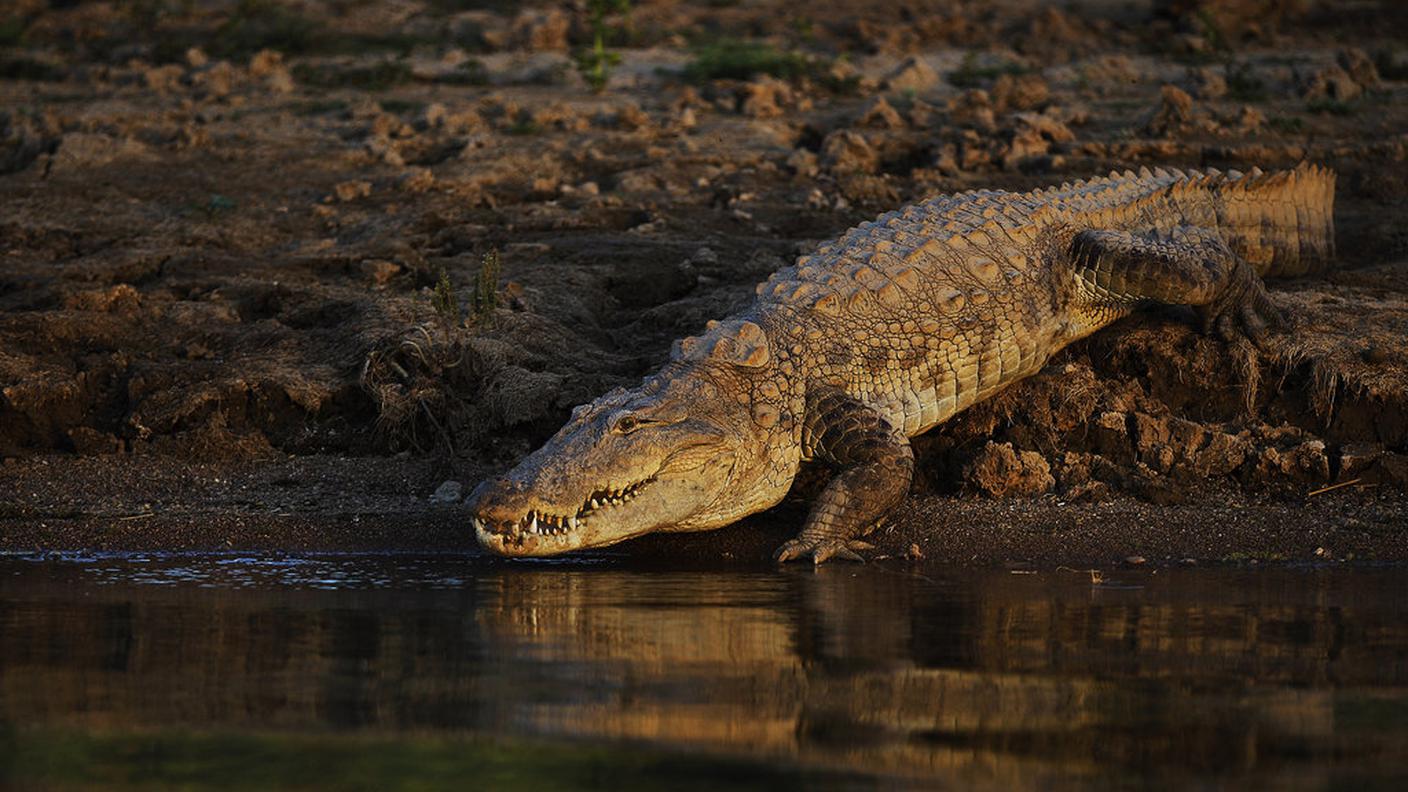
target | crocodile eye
x=625, y=424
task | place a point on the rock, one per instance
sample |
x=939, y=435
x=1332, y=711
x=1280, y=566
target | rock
x=974, y=151
x=803, y=163
x=1022, y=92
x=268, y=65
x=880, y=114
x=1220, y=454
x=379, y=271
x=870, y=189
x=1333, y=83
x=631, y=117
x=1247, y=120
x=1053, y=34
x=922, y=114
x=1305, y=463
x=844, y=151
x=1074, y=470
x=765, y=97
x=540, y=31
x=417, y=180
x=121, y=299
x=973, y=108
x=352, y=190
x=1032, y=136
x=946, y=160
x=448, y=492
x=164, y=79
x=1360, y=67
x=1090, y=492
x=1355, y=458
x=1208, y=83
x=1135, y=560
x=1231, y=20
x=91, y=442
x=913, y=74
x=216, y=81
x=1110, y=436
x=79, y=150
x=999, y=470
x=1174, y=114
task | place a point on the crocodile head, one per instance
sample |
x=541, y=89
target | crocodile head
x=679, y=453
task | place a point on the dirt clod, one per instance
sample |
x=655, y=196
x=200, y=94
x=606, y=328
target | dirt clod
x=999, y=470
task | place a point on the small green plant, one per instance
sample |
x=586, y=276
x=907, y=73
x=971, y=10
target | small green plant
x=377, y=76
x=1243, y=85
x=12, y=31
x=1333, y=107
x=471, y=72
x=595, y=64
x=486, y=288
x=1212, y=31
x=804, y=27
x=970, y=75
x=1286, y=125
x=263, y=24
x=444, y=299
x=732, y=59
x=524, y=126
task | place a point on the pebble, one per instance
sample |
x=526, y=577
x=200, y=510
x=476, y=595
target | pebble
x=449, y=492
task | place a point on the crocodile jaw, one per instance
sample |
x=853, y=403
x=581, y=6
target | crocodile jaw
x=512, y=520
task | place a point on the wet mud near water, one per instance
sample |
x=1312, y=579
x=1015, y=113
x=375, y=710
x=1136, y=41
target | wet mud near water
x=243, y=282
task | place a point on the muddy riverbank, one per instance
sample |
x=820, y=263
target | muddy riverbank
x=272, y=274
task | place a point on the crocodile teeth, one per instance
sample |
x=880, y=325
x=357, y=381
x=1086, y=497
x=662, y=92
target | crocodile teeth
x=533, y=526
x=572, y=523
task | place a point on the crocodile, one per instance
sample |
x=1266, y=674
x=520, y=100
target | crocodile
x=890, y=330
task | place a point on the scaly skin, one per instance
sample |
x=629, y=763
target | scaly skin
x=890, y=330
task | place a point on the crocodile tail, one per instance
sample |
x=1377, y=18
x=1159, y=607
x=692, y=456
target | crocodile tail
x=1283, y=222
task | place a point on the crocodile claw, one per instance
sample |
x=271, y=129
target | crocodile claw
x=822, y=550
x=1246, y=313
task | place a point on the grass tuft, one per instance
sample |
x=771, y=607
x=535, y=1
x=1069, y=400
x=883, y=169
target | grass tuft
x=1333, y=107
x=733, y=59
x=1243, y=85
x=486, y=288
x=970, y=75
x=444, y=299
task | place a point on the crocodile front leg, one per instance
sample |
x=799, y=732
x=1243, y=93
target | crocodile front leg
x=874, y=466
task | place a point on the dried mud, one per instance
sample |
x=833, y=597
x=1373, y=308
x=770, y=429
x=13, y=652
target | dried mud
x=243, y=298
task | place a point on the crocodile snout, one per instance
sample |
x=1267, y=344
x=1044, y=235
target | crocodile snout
x=498, y=503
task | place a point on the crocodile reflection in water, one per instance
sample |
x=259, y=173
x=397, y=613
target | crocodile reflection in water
x=1011, y=679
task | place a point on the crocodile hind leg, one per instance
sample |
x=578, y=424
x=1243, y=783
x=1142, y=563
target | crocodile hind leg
x=1186, y=266
x=874, y=468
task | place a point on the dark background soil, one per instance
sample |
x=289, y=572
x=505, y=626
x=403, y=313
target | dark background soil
x=224, y=227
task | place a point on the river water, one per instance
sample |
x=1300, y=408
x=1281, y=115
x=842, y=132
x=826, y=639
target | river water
x=400, y=672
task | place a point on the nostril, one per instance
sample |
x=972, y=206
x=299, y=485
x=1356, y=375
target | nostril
x=479, y=499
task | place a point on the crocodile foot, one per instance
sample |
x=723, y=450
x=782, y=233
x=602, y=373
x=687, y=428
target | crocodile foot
x=821, y=550
x=1245, y=312
x=1246, y=320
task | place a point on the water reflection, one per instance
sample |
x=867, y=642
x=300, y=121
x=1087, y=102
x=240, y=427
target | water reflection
x=1294, y=677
